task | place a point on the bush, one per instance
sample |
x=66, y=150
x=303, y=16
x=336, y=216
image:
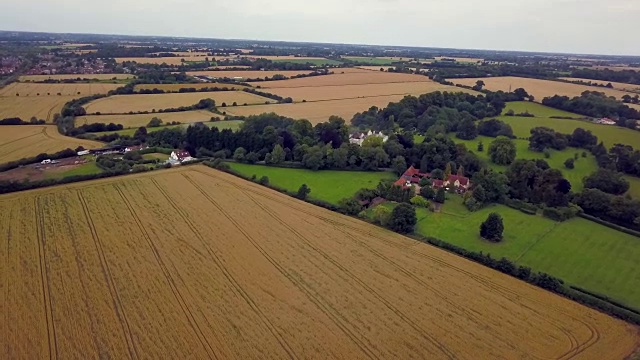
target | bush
x=264, y=180
x=403, y=219
x=561, y=213
x=420, y=202
x=382, y=215
x=472, y=204
x=303, y=192
x=492, y=228
x=350, y=206
x=569, y=163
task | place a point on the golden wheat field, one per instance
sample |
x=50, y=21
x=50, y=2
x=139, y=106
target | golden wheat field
x=42, y=90
x=616, y=85
x=137, y=120
x=176, y=87
x=122, y=104
x=75, y=76
x=194, y=263
x=23, y=141
x=320, y=93
x=318, y=111
x=538, y=88
x=42, y=107
x=247, y=74
x=348, y=78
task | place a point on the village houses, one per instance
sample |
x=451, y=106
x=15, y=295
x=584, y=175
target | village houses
x=359, y=137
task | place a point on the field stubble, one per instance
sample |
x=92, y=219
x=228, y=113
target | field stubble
x=135, y=267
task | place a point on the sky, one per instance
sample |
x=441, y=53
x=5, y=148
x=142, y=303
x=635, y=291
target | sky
x=567, y=26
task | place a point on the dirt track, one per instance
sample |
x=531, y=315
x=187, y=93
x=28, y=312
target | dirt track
x=194, y=263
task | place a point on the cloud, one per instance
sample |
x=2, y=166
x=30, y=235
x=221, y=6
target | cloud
x=583, y=26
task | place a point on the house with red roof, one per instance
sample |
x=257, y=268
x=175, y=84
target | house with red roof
x=413, y=176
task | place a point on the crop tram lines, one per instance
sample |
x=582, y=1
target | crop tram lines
x=167, y=274
x=44, y=278
x=111, y=285
x=317, y=299
x=246, y=297
x=360, y=282
x=576, y=347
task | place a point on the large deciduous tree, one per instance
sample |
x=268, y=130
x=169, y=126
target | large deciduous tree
x=502, y=151
x=492, y=228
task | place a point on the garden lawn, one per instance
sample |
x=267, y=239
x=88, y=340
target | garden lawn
x=538, y=110
x=327, y=185
x=156, y=156
x=85, y=169
x=581, y=252
x=583, y=166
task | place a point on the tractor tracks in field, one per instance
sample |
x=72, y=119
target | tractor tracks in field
x=111, y=284
x=44, y=278
x=575, y=348
x=167, y=274
x=238, y=288
x=422, y=332
x=321, y=303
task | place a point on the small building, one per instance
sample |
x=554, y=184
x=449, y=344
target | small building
x=359, y=137
x=605, y=121
x=47, y=161
x=180, y=156
x=412, y=177
x=83, y=152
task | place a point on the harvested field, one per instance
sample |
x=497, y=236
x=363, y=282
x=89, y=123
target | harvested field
x=249, y=74
x=187, y=54
x=169, y=265
x=376, y=68
x=319, y=111
x=42, y=107
x=316, y=93
x=75, y=76
x=23, y=141
x=616, y=85
x=177, y=87
x=538, y=88
x=137, y=120
x=43, y=90
x=614, y=67
x=123, y=104
x=351, y=78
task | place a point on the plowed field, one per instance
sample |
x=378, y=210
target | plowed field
x=193, y=263
x=44, y=90
x=42, y=107
x=22, y=141
x=138, y=120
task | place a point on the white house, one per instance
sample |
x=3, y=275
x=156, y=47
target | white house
x=47, y=161
x=180, y=156
x=358, y=138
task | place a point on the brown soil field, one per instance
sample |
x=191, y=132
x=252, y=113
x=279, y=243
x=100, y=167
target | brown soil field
x=538, y=88
x=77, y=90
x=23, y=141
x=42, y=107
x=248, y=74
x=123, y=104
x=194, y=263
x=137, y=120
x=75, y=76
x=39, y=171
x=176, y=87
x=315, y=93
x=616, y=85
x=319, y=111
x=351, y=78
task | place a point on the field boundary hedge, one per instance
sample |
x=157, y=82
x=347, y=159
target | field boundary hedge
x=539, y=279
x=610, y=225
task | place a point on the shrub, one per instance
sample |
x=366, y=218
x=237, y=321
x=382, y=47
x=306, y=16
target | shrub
x=561, y=213
x=420, y=202
x=264, y=180
x=492, y=228
x=403, y=219
x=569, y=163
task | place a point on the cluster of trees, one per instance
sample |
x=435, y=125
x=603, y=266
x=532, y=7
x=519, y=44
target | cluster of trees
x=18, y=121
x=624, y=76
x=536, y=183
x=596, y=104
x=620, y=210
x=436, y=112
x=495, y=128
x=185, y=90
x=622, y=158
x=278, y=98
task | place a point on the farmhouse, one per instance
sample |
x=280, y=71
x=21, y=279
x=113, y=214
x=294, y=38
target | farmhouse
x=358, y=138
x=413, y=176
x=605, y=121
x=180, y=156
